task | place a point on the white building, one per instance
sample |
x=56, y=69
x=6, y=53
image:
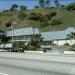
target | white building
x=58, y=37
x=23, y=34
x=1, y=10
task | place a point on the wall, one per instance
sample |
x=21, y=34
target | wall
x=62, y=42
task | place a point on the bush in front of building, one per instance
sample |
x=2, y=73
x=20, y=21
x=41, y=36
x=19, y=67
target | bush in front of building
x=66, y=44
x=72, y=48
x=33, y=48
x=34, y=44
x=18, y=47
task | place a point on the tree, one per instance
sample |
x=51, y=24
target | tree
x=22, y=7
x=71, y=35
x=71, y=6
x=62, y=5
x=36, y=40
x=36, y=6
x=57, y=3
x=14, y=7
x=47, y=3
x=41, y=3
x=44, y=3
x=72, y=48
x=5, y=39
x=8, y=24
x=18, y=46
x=22, y=15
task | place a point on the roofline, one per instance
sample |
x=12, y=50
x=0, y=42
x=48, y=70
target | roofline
x=56, y=39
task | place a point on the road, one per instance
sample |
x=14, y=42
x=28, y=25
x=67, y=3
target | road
x=22, y=64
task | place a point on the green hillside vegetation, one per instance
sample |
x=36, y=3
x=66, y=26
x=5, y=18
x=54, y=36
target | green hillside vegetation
x=47, y=19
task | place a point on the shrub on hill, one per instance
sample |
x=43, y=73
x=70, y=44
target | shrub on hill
x=34, y=16
x=56, y=22
x=50, y=15
x=71, y=6
x=22, y=15
x=43, y=18
x=44, y=24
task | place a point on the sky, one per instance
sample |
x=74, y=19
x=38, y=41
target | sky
x=6, y=4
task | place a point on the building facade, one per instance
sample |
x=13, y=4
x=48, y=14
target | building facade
x=2, y=34
x=49, y=38
x=23, y=34
x=58, y=37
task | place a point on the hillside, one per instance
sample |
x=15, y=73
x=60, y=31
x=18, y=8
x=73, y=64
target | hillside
x=47, y=19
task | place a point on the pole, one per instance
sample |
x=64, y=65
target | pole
x=12, y=36
x=33, y=31
x=13, y=32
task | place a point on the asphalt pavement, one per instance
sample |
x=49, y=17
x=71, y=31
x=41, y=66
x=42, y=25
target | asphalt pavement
x=41, y=64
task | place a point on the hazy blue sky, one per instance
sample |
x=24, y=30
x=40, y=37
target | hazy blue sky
x=5, y=4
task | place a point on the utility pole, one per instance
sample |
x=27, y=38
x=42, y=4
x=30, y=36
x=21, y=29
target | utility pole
x=12, y=26
x=13, y=31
